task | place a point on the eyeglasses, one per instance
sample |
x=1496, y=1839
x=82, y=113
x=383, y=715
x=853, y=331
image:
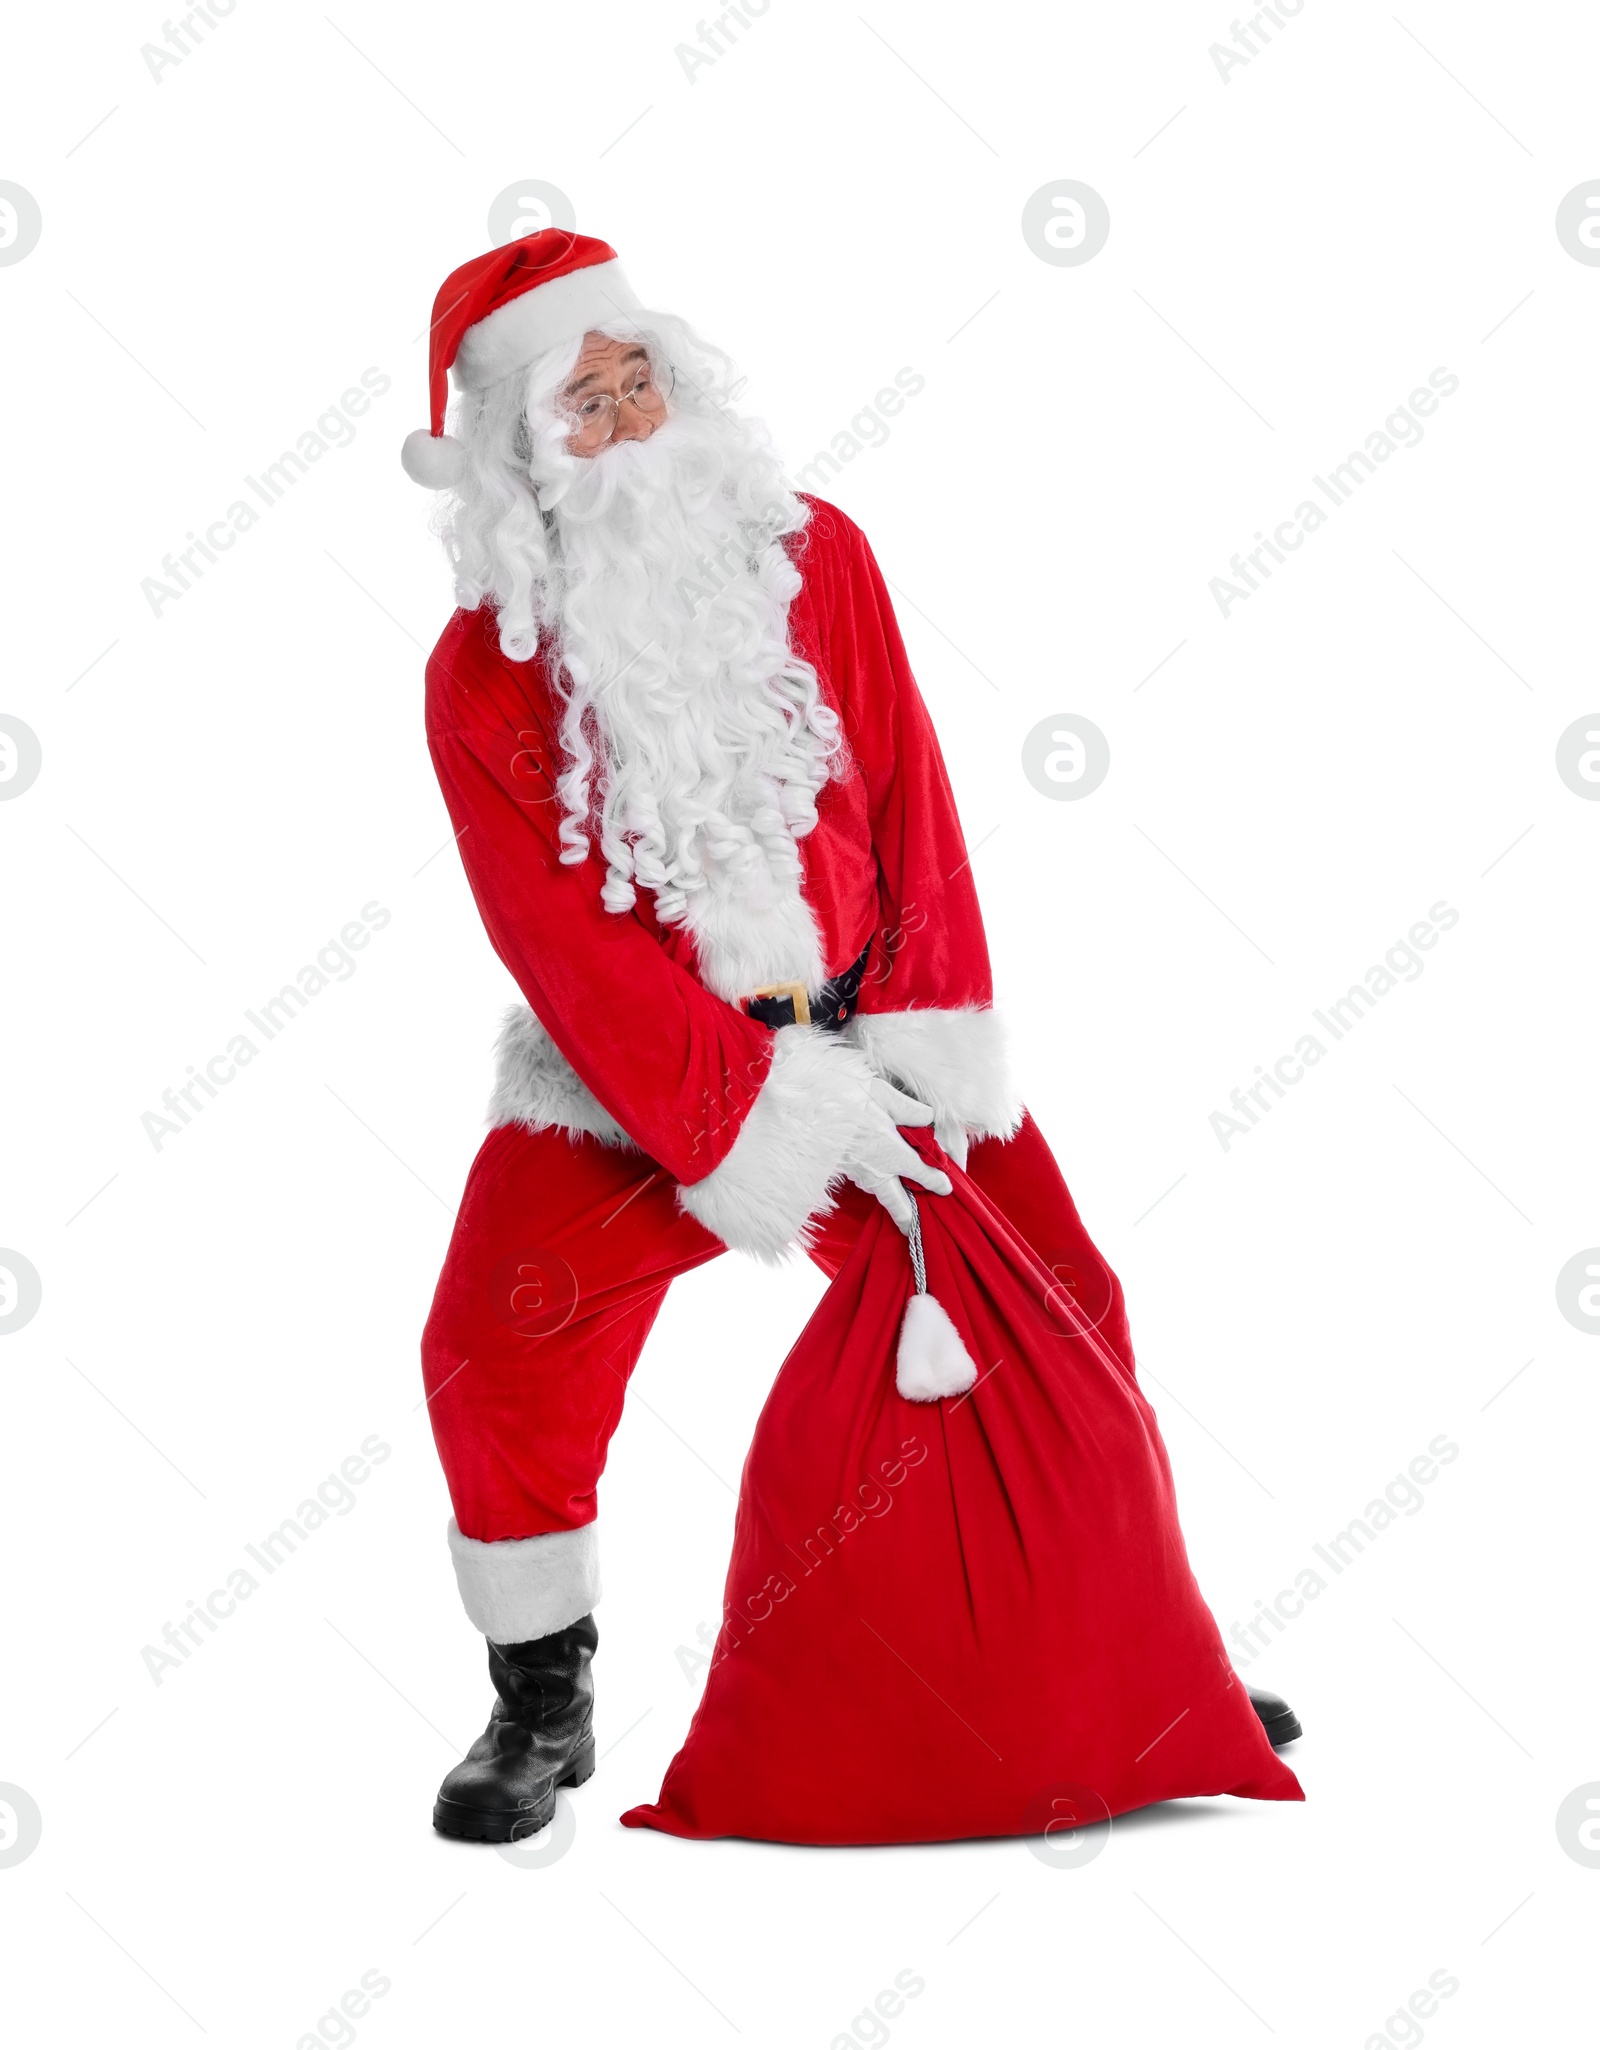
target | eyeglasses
x=594, y=417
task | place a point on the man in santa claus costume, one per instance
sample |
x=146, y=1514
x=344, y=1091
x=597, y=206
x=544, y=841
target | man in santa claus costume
x=704, y=816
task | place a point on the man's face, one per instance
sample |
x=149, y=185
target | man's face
x=611, y=396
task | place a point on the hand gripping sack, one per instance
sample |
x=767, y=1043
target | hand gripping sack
x=965, y=1616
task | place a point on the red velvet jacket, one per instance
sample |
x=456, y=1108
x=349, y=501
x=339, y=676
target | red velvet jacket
x=654, y=1057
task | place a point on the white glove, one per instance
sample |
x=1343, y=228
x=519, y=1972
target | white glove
x=879, y=1160
x=951, y=1134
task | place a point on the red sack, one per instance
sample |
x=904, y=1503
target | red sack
x=940, y=1615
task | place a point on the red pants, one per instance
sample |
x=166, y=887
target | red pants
x=559, y=1262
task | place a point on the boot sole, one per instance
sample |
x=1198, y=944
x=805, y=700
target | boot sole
x=508, y=1825
x=1282, y=1729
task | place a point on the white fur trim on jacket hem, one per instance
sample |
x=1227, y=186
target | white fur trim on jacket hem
x=953, y=1061
x=510, y=338
x=517, y=1588
x=791, y=1149
x=536, y=1085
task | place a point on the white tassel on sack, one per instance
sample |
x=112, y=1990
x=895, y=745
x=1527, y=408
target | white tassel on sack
x=931, y=1361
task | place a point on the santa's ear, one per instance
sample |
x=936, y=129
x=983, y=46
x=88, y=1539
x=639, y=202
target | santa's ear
x=436, y=461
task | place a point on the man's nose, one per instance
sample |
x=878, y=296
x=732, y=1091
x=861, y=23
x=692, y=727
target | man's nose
x=632, y=424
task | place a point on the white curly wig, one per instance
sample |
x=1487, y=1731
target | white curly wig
x=654, y=580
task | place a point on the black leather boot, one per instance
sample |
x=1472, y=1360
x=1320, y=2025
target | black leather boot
x=540, y=1737
x=1278, y=1719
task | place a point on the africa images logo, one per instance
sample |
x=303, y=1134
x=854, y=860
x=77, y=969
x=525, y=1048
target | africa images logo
x=1403, y=428
x=1402, y=962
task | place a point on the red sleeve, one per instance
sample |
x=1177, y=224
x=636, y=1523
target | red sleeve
x=675, y=1066
x=929, y=949
x=926, y=1016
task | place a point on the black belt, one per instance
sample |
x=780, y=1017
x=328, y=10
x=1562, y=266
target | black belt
x=786, y=1003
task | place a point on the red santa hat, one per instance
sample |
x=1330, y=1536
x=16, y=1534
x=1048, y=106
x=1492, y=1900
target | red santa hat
x=499, y=312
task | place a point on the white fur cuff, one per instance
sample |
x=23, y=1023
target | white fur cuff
x=812, y=1109
x=953, y=1061
x=517, y=1588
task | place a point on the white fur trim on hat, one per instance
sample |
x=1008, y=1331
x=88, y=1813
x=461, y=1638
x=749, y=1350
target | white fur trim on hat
x=517, y=1588
x=437, y=461
x=509, y=339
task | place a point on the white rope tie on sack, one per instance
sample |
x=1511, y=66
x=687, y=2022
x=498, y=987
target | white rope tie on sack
x=919, y=1269
x=931, y=1361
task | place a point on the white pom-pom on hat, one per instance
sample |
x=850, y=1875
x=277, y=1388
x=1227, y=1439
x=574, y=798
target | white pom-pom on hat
x=437, y=461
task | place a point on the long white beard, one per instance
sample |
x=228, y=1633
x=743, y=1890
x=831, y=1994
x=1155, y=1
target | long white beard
x=707, y=738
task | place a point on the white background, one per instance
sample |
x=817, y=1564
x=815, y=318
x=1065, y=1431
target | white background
x=226, y=1318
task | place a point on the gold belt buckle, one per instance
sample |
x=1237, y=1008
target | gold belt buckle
x=795, y=991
